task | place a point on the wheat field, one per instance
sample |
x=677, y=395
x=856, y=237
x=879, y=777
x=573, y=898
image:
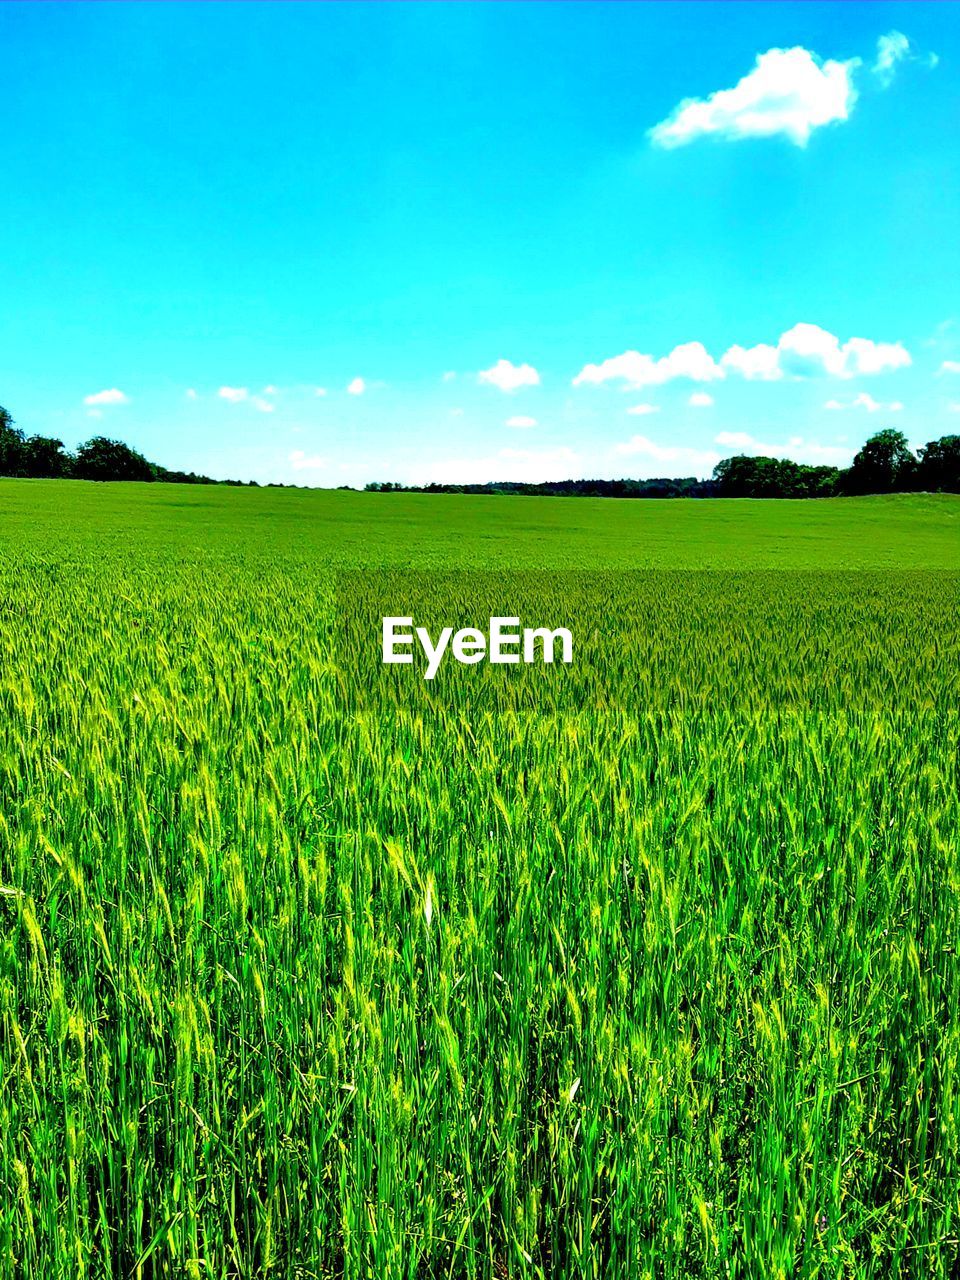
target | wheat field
x=641, y=967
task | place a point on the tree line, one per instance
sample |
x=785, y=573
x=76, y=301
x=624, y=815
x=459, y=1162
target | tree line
x=663, y=487
x=44, y=457
x=885, y=464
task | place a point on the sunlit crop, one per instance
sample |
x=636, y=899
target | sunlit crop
x=644, y=966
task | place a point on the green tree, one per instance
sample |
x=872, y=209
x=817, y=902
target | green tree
x=745, y=476
x=820, y=482
x=44, y=456
x=939, y=468
x=885, y=464
x=103, y=459
x=11, y=446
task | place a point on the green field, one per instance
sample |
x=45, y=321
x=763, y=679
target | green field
x=139, y=522
x=642, y=967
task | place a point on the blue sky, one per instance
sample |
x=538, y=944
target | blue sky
x=528, y=241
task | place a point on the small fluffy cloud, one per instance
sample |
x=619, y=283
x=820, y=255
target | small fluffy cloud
x=320, y=391
x=865, y=401
x=112, y=396
x=191, y=393
x=789, y=92
x=894, y=48
x=689, y=360
x=891, y=49
x=508, y=376
x=533, y=466
x=357, y=387
x=302, y=461
x=520, y=421
x=677, y=460
x=797, y=448
x=641, y=410
x=241, y=395
x=700, y=400
x=950, y=366
x=450, y=375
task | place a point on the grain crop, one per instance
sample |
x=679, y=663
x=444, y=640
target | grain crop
x=641, y=967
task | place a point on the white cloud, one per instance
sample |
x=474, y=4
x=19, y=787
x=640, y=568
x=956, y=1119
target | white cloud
x=700, y=400
x=529, y=465
x=307, y=462
x=520, y=421
x=689, y=360
x=641, y=410
x=761, y=362
x=865, y=401
x=894, y=48
x=191, y=393
x=508, y=376
x=861, y=355
x=797, y=448
x=357, y=387
x=677, y=460
x=238, y=395
x=807, y=350
x=449, y=375
x=954, y=408
x=950, y=366
x=113, y=396
x=789, y=92
x=320, y=391
x=270, y=391
x=803, y=351
x=891, y=49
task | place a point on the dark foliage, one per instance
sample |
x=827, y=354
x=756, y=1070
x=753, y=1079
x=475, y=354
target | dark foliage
x=751, y=477
x=42, y=457
x=938, y=468
x=884, y=465
x=103, y=459
x=688, y=487
x=45, y=456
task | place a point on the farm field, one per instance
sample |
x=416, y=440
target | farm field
x=641, y=967
x=136, y=522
